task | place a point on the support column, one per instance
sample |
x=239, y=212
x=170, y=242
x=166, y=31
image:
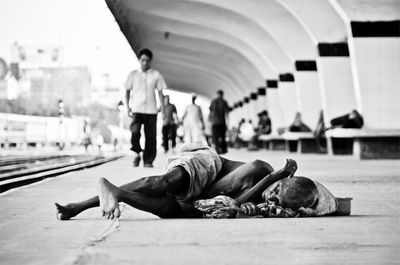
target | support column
x=262, y=101
x=274, y=106
x=236, y=114
x=336, y=81
x=254, y=107
x=241, y=112
x=288, y=97
x=246, y=107
x=308, y=91
x=375, y=58
x=232, y=115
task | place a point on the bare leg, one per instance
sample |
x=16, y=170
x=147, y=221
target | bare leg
x=175, y=181
x=110, y=195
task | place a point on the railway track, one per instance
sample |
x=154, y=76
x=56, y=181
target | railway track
x=23, y=170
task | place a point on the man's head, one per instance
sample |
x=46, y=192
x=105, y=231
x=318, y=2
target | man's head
x=263, y=114
x=220, y=93
x=145, y=58
x=293, y=193
x=297, y=119
x=166, y=99
x=353, y=114
x=194, y=97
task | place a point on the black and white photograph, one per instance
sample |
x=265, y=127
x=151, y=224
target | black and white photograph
x=202, y=132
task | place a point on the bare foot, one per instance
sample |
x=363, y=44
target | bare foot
x=65, y=212
x=108, y=196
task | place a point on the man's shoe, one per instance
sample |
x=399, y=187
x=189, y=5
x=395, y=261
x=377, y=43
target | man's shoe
x=147, y=165
x=136, y=161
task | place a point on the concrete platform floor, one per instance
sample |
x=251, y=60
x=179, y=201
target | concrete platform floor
x=30, y=233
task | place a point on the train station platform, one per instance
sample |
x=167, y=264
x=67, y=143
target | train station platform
x=30, y=233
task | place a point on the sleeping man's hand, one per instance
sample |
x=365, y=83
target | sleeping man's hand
x=249, y=209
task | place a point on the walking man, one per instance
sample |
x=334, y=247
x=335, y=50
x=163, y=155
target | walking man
x=142, y=107
x=218, y=110
x=170, y=121
x=193, y=123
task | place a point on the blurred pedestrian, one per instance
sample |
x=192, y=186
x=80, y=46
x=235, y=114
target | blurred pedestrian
x=193, y=123
x=86, y=141
x=218, y=111
x=99, y=141
x=180, y=132
x=264, y=123
x=233, y=135
x=246, y=131
x=115, y=143
x=170, y=122
x=263, y=128
x=86, y=135
x=142, y=107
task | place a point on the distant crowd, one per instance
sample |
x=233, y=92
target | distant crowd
x=141, y=87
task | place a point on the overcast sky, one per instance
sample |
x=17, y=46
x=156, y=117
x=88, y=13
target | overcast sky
x=85, y=29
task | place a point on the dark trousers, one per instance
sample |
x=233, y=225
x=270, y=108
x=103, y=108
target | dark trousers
x=150, y=132
x=218, y=136
x=169, y=133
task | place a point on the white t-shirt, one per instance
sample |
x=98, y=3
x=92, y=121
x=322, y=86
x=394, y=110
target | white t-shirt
x=142, y=86
x=246, y=131
x=193, y=116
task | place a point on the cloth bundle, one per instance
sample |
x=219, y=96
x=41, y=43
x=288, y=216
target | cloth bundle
x=226, y=207
x=270, y=209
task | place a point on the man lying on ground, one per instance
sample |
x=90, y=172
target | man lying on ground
x=199, y=183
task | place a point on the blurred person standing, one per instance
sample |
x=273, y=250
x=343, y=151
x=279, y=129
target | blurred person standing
x=142, y=107
x=86, y=135
x=193, y=123
x=170, y=123
x=218, y=110
x=99, y=142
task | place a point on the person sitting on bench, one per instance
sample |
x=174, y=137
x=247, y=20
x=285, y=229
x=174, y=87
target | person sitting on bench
x=297, y=126
x=263, y=127
x=351, y=120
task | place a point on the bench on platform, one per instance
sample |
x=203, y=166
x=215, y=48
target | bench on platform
x=301, y=142
x=273, y=141
x=364, y=143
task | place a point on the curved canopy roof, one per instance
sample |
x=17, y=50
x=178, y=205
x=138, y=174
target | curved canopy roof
x=205, y=45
